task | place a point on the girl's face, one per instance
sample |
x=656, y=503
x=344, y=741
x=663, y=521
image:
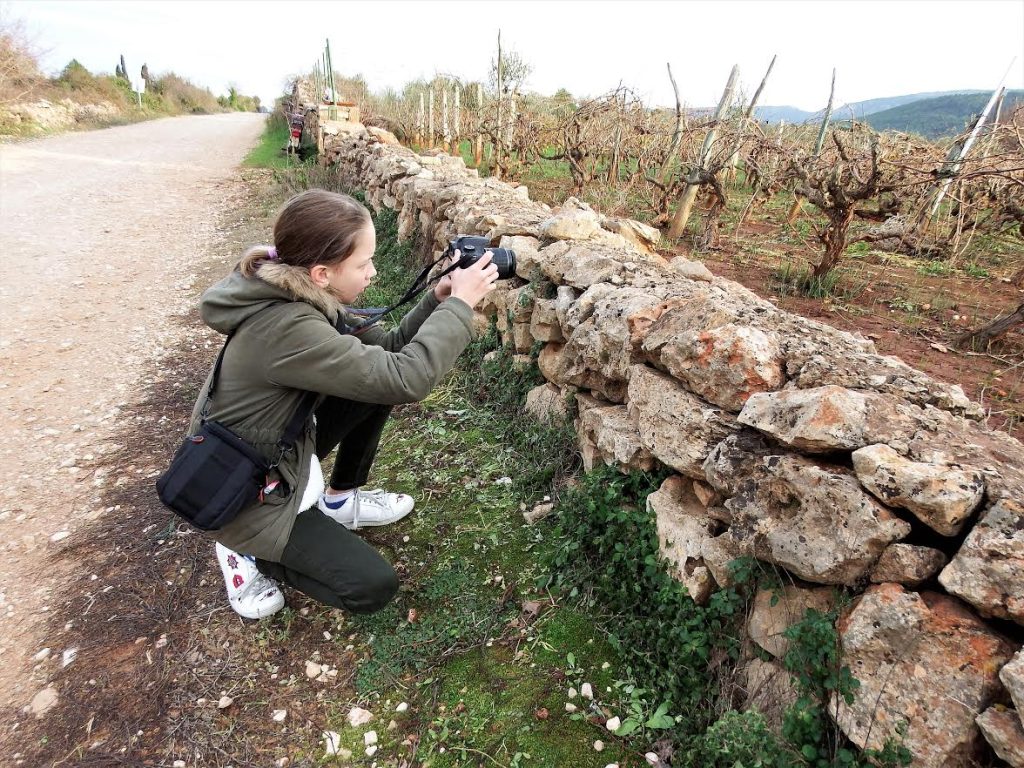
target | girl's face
x=349, y=278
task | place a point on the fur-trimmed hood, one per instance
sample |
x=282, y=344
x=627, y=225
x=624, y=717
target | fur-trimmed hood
x=236, y=298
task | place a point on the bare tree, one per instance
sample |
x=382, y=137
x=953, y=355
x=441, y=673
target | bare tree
x=837, y=183
x=19, y=65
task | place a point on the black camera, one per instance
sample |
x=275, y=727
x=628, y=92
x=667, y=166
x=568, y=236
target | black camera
x=472, y=248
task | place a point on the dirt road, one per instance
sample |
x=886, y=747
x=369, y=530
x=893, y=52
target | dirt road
x=98, y=234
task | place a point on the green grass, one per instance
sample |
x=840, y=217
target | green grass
x=269, y=152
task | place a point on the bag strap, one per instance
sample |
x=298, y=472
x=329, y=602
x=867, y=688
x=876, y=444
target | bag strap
x=295, y=423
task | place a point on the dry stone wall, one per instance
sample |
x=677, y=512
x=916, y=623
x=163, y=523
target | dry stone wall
x=791, y=442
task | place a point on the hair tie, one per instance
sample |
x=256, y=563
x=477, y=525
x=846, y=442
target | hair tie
x=272, y=253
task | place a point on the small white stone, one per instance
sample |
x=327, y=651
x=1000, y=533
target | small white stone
x=225, y=702
x=402, y=707
x=331, y=742
x=42, y=655
x=68, y=656
x=652, y=759
x=370, y=737
x=570, y=707
x=605, y=665
x=178, y=764
x=572, y=693
x=372, y=750
x=599, y=746
x=586, y=691
x=358, y=716
x=313, y=670
x=279, y=715
x=612, y=724
x=60, y=536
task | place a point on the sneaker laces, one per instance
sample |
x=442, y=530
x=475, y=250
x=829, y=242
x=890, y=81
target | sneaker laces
x=257, y=585
x=377, y=495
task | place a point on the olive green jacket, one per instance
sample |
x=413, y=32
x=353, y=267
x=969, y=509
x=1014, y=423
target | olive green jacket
x=285, y=344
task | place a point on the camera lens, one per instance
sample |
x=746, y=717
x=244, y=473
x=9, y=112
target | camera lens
x=505, y=260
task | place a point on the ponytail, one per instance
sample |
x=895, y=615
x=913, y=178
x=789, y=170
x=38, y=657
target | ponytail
x=254, y=257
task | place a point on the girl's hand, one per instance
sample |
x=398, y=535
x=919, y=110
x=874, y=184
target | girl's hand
x=475, y=281
x=443, y=289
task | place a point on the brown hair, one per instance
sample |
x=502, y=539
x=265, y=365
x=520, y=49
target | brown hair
x=314, y=227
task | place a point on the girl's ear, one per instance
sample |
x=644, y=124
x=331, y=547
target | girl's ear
x=319, y=275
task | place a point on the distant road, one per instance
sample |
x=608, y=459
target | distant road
x=98, y=234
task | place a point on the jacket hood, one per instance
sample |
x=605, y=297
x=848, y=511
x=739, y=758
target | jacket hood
x=229, y=303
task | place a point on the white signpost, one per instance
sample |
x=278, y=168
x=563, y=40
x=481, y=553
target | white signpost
x=139, y=86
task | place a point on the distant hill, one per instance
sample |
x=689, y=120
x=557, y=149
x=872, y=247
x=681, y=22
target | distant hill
x=941, y=116
x=856, y=110
x=777, y=114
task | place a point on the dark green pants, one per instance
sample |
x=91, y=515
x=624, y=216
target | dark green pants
x=322, y=558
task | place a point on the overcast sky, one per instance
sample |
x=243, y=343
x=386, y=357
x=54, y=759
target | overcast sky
x=880, y=48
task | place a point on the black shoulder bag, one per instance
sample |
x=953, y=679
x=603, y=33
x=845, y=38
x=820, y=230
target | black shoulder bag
x=215, y=473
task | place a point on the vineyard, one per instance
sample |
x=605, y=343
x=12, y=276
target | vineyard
x=917, y=244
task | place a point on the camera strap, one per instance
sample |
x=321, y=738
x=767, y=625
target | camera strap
x=372, y=315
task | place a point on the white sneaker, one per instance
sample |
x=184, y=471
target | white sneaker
x=250, y=593
x=365, y=508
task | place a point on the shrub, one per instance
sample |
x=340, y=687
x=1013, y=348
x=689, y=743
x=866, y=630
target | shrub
x=19, y=66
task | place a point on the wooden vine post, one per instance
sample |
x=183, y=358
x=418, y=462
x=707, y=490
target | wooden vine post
x=457, y=118
x=795, y=209
x=419, y=123
x=747, y=117
x=677, y=134
x=446, y=134
x=496, y=165
x=430, y=118
x=478, y=150
x=686, y=200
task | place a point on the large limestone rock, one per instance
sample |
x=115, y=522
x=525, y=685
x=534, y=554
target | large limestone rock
x=642, y=236
x=769, y=689
x=811, y=364
x=960, y=442
x=519, y=303
x=827, y=419
x=601, y=349
x=775, y=610
x=725, y=364
x=678, y=428
x=683, y=526
x=547, y=404
x=941, y=496
x=988, y=570
x=573, y=314
x=527, y=250
x=1003, y=731
x=907, y=564
x=811, y=519
x=691, y=270
x=544, y=325
x=1012, y=676
x=583, y=264
x=924, y=660
x=608, y=436
x=575, y=220
x=549, y=361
